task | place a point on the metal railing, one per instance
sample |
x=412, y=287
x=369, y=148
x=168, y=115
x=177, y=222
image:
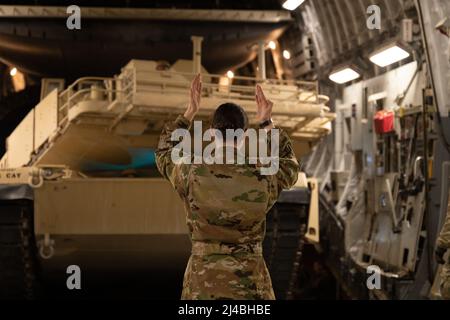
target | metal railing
x=170, y=82
x=111, y=90
x=121, y=89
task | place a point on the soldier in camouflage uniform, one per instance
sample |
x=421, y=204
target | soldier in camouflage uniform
x=442, y=245
x=226, y=208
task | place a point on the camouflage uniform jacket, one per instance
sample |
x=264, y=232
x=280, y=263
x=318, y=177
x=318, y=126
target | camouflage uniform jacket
x=226, y=207
x=443, y=241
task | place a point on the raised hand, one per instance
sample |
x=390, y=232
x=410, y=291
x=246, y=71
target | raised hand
x=195, y=97
x=264, y=105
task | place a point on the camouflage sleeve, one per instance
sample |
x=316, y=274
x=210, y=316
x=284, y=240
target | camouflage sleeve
x=175, y=173
x=289, y=169
x=443, y=240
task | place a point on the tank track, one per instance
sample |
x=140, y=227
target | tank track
x=284, y=242
x=17, y=250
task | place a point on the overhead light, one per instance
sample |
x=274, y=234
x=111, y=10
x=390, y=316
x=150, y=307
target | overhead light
x=377, y=96
x=286, y=54
x=272, y=45
x=292, y=4
x=230, y=74
x=17, y=79
x=13, y=72
x=344, y=75
x=389, y=55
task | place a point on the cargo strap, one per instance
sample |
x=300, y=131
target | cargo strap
x=204, y=248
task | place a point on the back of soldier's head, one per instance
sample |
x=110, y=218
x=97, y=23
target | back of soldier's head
x=229, y=116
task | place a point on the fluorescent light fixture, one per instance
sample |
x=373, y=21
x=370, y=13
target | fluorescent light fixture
x=389, y=55
x=344, y=75
x=272, y=45
x=292, y=4
x=230, y=74
x=13, y=72
x=286, y=54
x=377, y=96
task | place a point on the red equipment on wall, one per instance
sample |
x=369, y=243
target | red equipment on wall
x=384, y=122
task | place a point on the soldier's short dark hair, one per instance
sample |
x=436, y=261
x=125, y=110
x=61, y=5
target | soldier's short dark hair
x=229, y=116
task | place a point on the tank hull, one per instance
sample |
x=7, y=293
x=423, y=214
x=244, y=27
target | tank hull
x=117, y=266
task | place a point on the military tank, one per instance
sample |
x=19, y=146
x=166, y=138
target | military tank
x=79, y=186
